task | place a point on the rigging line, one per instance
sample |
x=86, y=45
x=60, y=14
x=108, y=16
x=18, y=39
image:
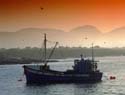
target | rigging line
x=41, y=52
x=51, y=53
x=61, y=53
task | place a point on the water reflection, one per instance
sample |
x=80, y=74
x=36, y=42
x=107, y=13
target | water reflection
x=63, y=89
x=89, y=89
x=9, y=84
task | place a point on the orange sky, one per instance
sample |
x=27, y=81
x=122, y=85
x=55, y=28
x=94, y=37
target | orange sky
x=61, y=14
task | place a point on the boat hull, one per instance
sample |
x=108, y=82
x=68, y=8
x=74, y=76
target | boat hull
x=39, y=77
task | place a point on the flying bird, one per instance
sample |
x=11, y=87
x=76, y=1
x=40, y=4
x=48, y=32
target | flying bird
x=41, y=8
x=104, y=42
x=86, y=38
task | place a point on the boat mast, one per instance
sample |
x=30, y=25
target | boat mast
x=92, y=53
x=45, y=40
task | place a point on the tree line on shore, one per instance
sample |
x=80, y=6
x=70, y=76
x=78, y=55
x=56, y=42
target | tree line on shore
x=60, y=52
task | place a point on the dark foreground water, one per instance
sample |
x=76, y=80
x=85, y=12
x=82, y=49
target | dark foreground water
x=111, y=66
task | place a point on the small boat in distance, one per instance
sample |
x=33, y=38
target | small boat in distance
x=83, y=71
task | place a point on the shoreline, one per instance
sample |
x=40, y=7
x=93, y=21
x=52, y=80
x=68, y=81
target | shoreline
x=30, y=61
x=14, y=62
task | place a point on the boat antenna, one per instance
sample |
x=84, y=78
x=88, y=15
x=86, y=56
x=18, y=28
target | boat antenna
x=45, y=40
x=92, y=53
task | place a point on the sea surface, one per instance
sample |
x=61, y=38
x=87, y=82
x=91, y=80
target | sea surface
x=12, y=80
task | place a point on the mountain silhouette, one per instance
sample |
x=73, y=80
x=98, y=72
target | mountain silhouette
x=79, y=36
x=116, y=37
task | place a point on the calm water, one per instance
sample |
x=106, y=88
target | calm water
x=111, y=66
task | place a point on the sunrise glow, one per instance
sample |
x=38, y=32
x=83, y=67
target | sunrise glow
x=65, y=14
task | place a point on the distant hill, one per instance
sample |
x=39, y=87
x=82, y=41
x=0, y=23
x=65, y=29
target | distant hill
x=79, y=36
x=86, y=29
x=86, y=34
x=116, y=37
x=117, y=33
x=32, y=37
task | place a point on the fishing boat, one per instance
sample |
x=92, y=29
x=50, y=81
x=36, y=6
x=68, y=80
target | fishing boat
x=83, y=71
